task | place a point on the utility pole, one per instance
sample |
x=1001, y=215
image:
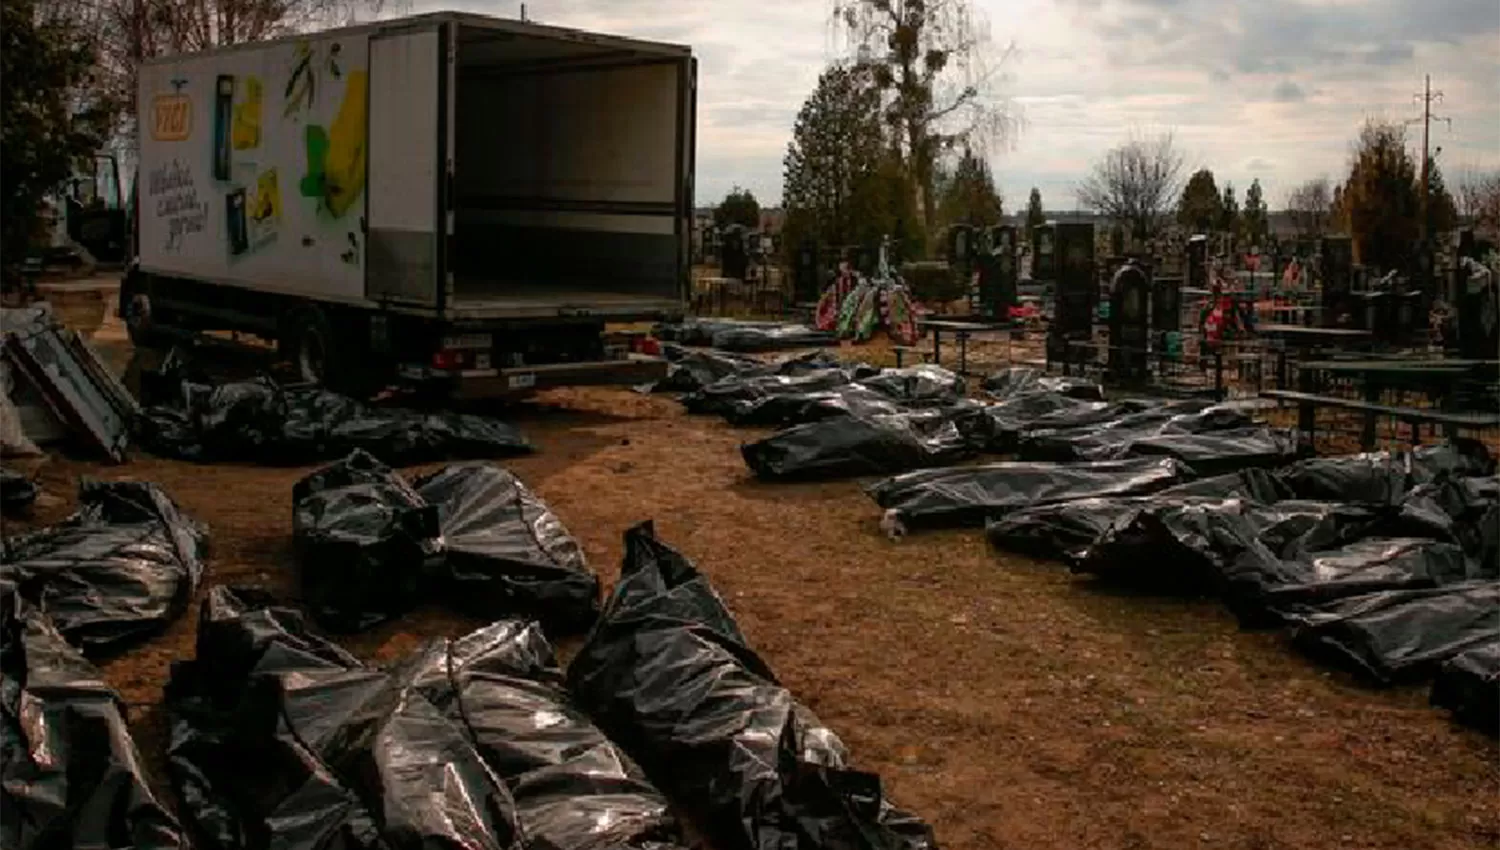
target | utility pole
x=1428, y=97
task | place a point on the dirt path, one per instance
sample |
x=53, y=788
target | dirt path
x=1007, y=702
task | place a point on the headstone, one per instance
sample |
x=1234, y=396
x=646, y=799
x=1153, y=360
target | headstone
x=734, y=261
x=1478, y=311
x=1336, y=268
x=1166, y=309
x=1129, y=326
x=997, y=273
x=1077, y=288
x=960, y=245
x=1044, y=253
x=1197, y=262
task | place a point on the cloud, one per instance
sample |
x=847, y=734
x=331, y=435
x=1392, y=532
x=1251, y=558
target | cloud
x=1287, y=91
x=1275, y=88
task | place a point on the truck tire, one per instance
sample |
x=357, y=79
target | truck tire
x=321, y=356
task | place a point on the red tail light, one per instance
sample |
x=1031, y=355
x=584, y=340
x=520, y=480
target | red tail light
x=650, y=347
x=446, y=359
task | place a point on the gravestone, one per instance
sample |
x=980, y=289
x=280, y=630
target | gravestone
x=1076, y=292
x=1478, y=311
x=734, y=260
x=960, y=246
x=1336, y=269
x=1166, y=314
x=1043, y=253
x=1197, y=262
x=997, y=273
x=1129, y=326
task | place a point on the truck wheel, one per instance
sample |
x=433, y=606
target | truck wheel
x=321, y=357
x=307, y=341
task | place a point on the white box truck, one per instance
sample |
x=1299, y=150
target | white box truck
x=449, y=200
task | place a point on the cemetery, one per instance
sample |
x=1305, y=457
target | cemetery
x=407, y=457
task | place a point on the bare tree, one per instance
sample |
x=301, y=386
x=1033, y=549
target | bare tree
x=1135, y=183
x=131, y=31
x=1311, y=206
x=932, y=59
x=1479, y=197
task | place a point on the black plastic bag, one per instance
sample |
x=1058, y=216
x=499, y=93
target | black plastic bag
x=1061, y=530
x=668, y=675
x=1014, y=415
x=264, y=422
x=121, y=568
x=281, y=739
x=17, y=493
x=1468, y=684
x=1025, y=380
x=773, y=338
x=852, y=446
x=70, y=774
x=1217, y=452
x=969, y=496
x=689, y=370
x=1383, y=477
x=372, y=547
x=1401, y=635
x=802, y=408
x=574, y=789
x=367, y=544
x=925, y=385
x=504, y=551
x=1105, y=431
x=700, y=331
x=723, y=397
x=1263, y=591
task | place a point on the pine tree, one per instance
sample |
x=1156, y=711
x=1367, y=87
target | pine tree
x=51, y=117
x=1380, y=199
x=969, y=194
x=1200, y=209
x=1255, y=221
x=1442, y=210
x=840, y=176
x=1229, y=211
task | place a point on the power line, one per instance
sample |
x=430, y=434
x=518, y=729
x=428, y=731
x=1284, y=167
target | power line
x=1427, y=97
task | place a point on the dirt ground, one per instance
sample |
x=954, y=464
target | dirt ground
x=1006, y=701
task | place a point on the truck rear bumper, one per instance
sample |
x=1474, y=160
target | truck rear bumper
x=499, y=383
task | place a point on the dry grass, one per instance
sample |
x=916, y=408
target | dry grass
x=1010, y=703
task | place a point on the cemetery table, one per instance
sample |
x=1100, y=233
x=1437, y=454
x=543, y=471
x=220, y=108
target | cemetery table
x=1306, y=340
x=1439, y=380
x=961, y=332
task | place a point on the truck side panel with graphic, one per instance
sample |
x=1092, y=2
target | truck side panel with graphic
x=448, y=198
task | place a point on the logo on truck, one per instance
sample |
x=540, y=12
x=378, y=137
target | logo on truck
x=172, y=115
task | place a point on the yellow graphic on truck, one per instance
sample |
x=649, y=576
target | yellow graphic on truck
x=171, y=118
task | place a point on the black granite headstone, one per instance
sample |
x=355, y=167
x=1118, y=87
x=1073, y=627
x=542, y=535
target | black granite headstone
x=1129, y=325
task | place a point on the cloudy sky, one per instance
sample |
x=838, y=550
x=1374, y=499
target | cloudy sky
x=1268, y=89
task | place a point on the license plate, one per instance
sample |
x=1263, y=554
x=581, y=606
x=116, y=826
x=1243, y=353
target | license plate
x=521, y=381
x=482, y=361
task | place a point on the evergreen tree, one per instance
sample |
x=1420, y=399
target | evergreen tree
x=1255, y=221
x=1380, y=198
x=51, y=118
x=1200, y=209
x=969, y=194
